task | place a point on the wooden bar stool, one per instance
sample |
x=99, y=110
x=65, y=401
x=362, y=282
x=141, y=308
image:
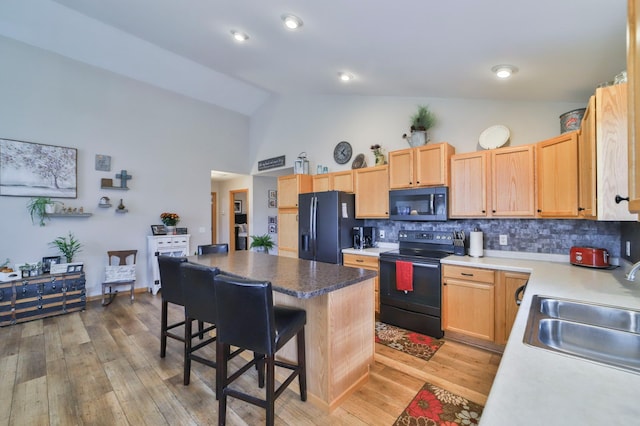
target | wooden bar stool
x=247, y=319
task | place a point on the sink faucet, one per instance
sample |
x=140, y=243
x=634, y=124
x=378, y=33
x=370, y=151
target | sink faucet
x=632, y=273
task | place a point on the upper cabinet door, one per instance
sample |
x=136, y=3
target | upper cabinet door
x=587, y=162
x=372, y=192
x=401, y=169
x=290, y=186
x=432, y=164
x=512, y=181
x=469, y=187
x=557, y=160
x=633, y=90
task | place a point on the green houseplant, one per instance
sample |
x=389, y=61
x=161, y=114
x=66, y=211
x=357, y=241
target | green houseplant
x=262, y=243
x=67, y=246
x=421, y=122
x=38, y=208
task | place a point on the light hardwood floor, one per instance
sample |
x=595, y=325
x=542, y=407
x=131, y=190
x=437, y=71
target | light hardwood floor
x=102, y=367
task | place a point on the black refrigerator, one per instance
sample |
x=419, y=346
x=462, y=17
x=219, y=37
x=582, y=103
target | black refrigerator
x=325, y=223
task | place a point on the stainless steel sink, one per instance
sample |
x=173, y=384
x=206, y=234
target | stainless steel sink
x=605, y=334
x=600, y=315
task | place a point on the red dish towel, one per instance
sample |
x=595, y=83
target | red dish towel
x=404, y=275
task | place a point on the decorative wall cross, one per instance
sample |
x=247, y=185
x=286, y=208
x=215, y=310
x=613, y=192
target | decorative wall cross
x=124, y=177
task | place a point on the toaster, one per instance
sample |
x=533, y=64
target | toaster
x=589, y=256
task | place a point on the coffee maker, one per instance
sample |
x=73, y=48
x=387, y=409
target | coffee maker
x=364, y=237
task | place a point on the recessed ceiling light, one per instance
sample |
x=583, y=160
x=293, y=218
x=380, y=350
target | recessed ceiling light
x=239, y=36
x=345, y=76
x=504, y=71
x=292, y=22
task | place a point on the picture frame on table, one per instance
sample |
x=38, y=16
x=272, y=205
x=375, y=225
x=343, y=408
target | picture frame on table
x=158, y=230
x=74, y=268
x=26, y=170
x=48, y=261
x=181, y=231
x=237, y=206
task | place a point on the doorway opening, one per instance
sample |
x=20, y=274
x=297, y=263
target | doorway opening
x=238, y=221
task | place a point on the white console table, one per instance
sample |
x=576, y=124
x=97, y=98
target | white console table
x=167, y=245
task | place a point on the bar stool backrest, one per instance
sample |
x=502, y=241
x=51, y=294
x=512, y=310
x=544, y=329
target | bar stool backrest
x=170, y=278
x=199, y=291
x=245, y=314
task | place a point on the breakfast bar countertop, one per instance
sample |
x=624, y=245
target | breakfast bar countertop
x=299, y=278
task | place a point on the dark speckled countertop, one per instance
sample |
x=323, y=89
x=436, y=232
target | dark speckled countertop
x=303, y=279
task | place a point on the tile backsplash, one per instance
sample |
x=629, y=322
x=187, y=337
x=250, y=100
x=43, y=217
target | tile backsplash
x=528, y=235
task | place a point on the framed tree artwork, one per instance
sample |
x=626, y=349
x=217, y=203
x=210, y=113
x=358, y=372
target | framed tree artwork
x=30, y=169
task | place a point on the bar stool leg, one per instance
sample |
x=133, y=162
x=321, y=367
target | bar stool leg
x=187, y=351
x=163, y=329
x=271, y=391
x=302, y=365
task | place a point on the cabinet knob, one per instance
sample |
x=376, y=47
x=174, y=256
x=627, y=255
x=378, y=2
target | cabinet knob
x=619, y=199
x=484, y=211
x=581, y=209
x=493, y=211
x=410, y=183
x=417, y=182
x=539, y=211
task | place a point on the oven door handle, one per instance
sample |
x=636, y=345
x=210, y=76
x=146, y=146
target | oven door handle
x=418, y=265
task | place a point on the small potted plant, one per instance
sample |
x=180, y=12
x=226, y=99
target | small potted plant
x=421, y=122
x=170, y=220
x=261, y=243
x=67, y=246
x=40, y=207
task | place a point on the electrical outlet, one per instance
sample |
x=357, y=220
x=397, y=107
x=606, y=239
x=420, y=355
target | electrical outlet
x=628, y=248
x=381, y=233
x=503, y=240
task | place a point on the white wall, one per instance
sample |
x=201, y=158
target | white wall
x=315, y=124
x=168, y=142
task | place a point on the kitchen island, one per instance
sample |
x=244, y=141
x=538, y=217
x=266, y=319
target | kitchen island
x=340, y=316
x=535, y=386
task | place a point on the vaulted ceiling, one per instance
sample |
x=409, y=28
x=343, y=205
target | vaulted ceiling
x=562, y=48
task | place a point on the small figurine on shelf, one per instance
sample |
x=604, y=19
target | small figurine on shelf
x=379, y=156
x=121, y=206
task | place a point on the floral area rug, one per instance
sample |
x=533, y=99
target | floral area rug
x=416, y=344
x=434, y=406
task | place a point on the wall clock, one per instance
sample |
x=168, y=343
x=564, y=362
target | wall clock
x=342, y=152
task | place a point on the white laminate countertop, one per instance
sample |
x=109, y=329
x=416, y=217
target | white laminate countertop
x=535, y=386
x=373, y=251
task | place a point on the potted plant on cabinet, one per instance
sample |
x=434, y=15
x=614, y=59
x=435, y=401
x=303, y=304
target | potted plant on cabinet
x=40, y=207
x=68, y=247
x=261, y=243
x=421, y=122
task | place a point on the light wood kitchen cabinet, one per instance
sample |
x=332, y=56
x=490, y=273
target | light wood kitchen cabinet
x=494, y=183
x=288, y=232
x=611, y=143
x=587, y=162
x=513, y=181
x=427, y=165
x=322, y=182
x=479, y=304
x=468, y=193
x=507, y=283
x=468, y=301
x=342, y=181
x=336, y=181
x=557, y=165
x=289, y=187
x=372, y=192
x=365, y=262
x=633, y=102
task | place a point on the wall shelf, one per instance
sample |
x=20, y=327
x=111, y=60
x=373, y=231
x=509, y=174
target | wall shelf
x=122, y=210
x=104, y=206
x=70, y=215
x=115, y=187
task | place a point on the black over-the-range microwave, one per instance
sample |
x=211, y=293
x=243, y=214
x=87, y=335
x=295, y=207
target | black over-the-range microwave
x=420, y=204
